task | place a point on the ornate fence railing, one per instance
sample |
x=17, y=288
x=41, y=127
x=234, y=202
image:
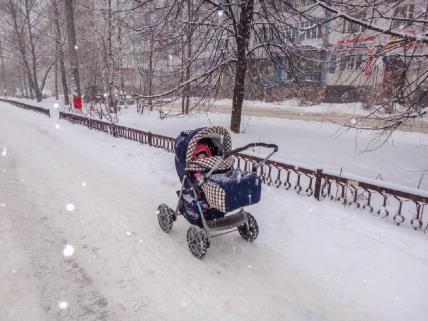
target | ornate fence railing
x=398, y=206
x=28, y=107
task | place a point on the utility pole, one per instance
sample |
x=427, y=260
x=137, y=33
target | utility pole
x=2, y=68
x=72, y=46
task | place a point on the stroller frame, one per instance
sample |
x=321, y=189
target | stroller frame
x=228, y=222
x=198, y=238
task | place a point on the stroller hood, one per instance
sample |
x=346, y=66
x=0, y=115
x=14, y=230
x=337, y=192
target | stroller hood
x=186, y=142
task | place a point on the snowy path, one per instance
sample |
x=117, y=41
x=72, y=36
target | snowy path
x=313, y=261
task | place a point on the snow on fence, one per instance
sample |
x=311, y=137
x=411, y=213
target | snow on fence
x=26, y=106
x=392, y=203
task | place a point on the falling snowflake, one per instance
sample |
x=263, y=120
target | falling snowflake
x=68, y=250
x=56, y=105
x=76, y=47
x=220, y=13
x=13, y=271
x=249, y=266
x=84, y=184
x=353, y=121
x=4, y=152
x=63, y=305
x=128, y=233
x=69, y=207
x=397, y=299
x=4, y=170
x=3, y=205
x=183, y=304
x=57, y=126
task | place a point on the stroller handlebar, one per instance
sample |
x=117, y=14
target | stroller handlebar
x=240, y=149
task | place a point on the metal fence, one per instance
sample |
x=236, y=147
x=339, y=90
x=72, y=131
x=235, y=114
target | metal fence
x=28, y=107
x=399, y=207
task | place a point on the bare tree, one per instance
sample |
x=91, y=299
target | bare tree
x=3, y=72
x=60, y=51
x=72, y=44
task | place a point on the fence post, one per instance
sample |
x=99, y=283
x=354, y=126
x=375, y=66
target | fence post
x=317, y=190
x=150, y=138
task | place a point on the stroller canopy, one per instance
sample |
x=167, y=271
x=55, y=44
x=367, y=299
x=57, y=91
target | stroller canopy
x=218, y=139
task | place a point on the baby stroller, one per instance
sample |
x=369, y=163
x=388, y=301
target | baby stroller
x=211, y=188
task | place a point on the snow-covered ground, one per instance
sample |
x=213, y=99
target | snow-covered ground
x=293, y=105
x=312, y=261
x=355, y=108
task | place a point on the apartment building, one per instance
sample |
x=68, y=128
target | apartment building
x=340, y=53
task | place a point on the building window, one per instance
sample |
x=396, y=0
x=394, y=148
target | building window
x=403, y=16
x=332, y=68
x=308, y=30
x=264, y=35
x=268, y=34
x=351, y=62
x=301, y=3
x=290, y=34
x=350, y=27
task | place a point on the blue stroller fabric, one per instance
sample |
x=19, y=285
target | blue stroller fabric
x=225, y=191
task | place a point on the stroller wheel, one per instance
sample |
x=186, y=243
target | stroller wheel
x=165, y=217
x=250, y=231
x=197, y=239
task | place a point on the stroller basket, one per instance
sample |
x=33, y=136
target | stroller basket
x=232, y=190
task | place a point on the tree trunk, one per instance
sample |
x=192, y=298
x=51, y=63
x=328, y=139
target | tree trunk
x=189, y=55
x=183, y=99
x=24, y=82
x=31, y=86
x=151, y=70
x=22, y=47
x=151, y=44
x=60, y=53
x=111, y=106
x=56, y=77
x=36, y=88
x=150, y=75
x=72, y=46
x=242, y=39
x=2, y=69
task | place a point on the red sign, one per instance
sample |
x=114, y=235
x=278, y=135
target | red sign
x=77, y=102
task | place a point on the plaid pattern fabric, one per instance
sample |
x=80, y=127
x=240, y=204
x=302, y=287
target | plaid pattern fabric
x=204, y=164
x=215, y=195
x=227, y=141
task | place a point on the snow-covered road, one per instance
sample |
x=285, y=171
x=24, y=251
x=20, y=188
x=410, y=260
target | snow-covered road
x=312, y=261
